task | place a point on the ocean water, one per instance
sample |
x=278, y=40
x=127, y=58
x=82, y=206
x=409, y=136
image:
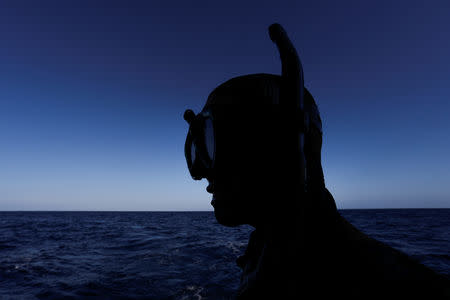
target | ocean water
x=167, y=255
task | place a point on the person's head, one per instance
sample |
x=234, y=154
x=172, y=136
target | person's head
x=245, y=141
x=248, y=140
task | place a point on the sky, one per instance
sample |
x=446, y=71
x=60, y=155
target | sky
x=92, y=95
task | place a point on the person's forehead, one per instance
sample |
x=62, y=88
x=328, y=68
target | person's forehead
x=241, y=100
x=232, y=113
x=251, y=89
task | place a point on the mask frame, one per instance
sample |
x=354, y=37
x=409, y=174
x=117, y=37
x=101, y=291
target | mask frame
x=200, y=145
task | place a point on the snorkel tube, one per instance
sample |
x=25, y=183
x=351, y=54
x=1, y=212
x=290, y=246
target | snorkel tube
x=291, y=101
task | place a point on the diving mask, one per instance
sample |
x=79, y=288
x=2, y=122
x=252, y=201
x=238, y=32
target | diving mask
x=199, y=148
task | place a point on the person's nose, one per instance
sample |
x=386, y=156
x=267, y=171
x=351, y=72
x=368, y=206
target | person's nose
x=210, y=187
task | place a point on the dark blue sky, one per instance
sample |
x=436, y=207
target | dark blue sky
x=92, y=95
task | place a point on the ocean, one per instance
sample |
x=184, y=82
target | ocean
x=168, y=255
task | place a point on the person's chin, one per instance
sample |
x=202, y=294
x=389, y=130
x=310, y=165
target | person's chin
x=226, y=216
x=226, y=219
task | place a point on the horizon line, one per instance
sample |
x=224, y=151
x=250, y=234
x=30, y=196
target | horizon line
x=171, y=211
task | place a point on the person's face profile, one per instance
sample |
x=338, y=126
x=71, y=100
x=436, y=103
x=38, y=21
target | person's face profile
x=240, y=179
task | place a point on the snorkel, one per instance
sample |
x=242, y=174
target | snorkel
x=291, y=100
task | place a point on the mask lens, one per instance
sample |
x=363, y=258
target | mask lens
x=209, y=139
x=193, y=149
x=200, y=145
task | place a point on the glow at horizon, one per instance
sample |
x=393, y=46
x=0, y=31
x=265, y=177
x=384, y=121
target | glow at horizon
x=92, y=98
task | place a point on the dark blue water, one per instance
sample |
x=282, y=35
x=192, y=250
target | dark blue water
x=149, y=255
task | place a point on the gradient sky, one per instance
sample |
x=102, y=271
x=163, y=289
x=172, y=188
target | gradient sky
x=92, y=96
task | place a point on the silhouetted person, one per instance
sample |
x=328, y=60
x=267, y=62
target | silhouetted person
x=258, y=143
